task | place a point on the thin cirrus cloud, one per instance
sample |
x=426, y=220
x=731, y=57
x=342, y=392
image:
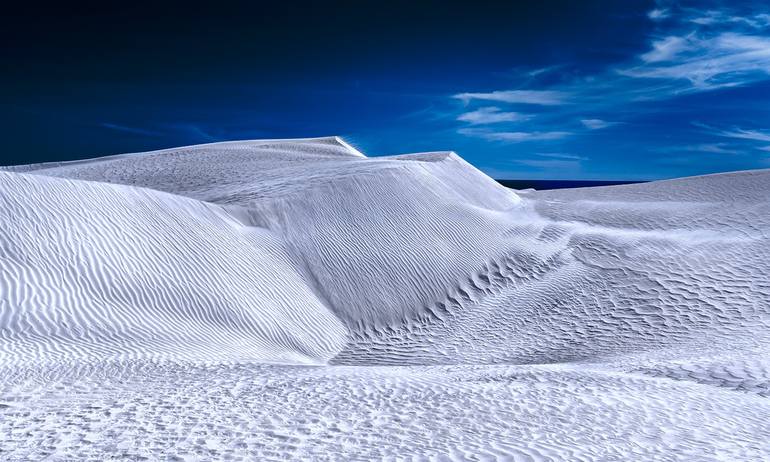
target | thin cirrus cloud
x=535, y=97
x=709, y=148
x=735, y=132
x=132, y=130
x=570, y=165
x=550, y=164
x=712, y=148
x=708, y=50
x=513, y=137
x=727, y=59
x=659, y=14
x=596, y=124
x=561, y=155
x=754, y=135
x=189, y=132
x=710, y=17
x=666, y=49
x=491, y=115
x=691, y=51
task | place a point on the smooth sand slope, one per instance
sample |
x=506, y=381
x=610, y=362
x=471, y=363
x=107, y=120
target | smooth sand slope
x=93, y=271
x=452, y=318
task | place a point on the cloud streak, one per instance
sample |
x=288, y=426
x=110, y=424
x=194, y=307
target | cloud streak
x=552, y=165
x=490, y=115
x=513, y=137
x=711, y=17
x=711, y=65
x=725, y=60
x=754, y=135
x=132, y=130
x=659, y=14
x=596, y=124
x=709, y=148
x=535, y=97
x=560, y=155
x=691, y=51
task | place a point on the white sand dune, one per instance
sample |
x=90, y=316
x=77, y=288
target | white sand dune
x=454, y=318
x=96, y=271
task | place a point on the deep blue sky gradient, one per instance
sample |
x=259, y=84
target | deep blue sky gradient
x=540, y=90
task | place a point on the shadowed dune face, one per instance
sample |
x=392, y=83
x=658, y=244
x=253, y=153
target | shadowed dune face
x=153, y=288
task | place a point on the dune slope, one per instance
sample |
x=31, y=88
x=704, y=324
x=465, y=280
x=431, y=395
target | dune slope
x=92, y=271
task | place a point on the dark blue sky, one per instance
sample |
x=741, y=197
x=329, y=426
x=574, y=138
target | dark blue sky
x=540, y=90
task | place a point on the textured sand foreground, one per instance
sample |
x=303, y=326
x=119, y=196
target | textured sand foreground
x=294, y=299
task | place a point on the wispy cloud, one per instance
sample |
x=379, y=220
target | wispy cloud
x=690, y=55
x=544, y=165
x=513, y=137
x=194, y=132
x=711, y=17
x=710, y=148
x=127, y=129
x=544, y=70
x=725, y=60
x=736, y=132
x=658, y=14
x=554, y=167
x=560, y=155
x=666, y=49
x=491, y=115
x=191, y=132
x=755, y=135
x=690, y=52
x=596, y=124
x=536, y=97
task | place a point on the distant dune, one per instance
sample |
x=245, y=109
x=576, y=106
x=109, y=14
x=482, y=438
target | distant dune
x=171, y=289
